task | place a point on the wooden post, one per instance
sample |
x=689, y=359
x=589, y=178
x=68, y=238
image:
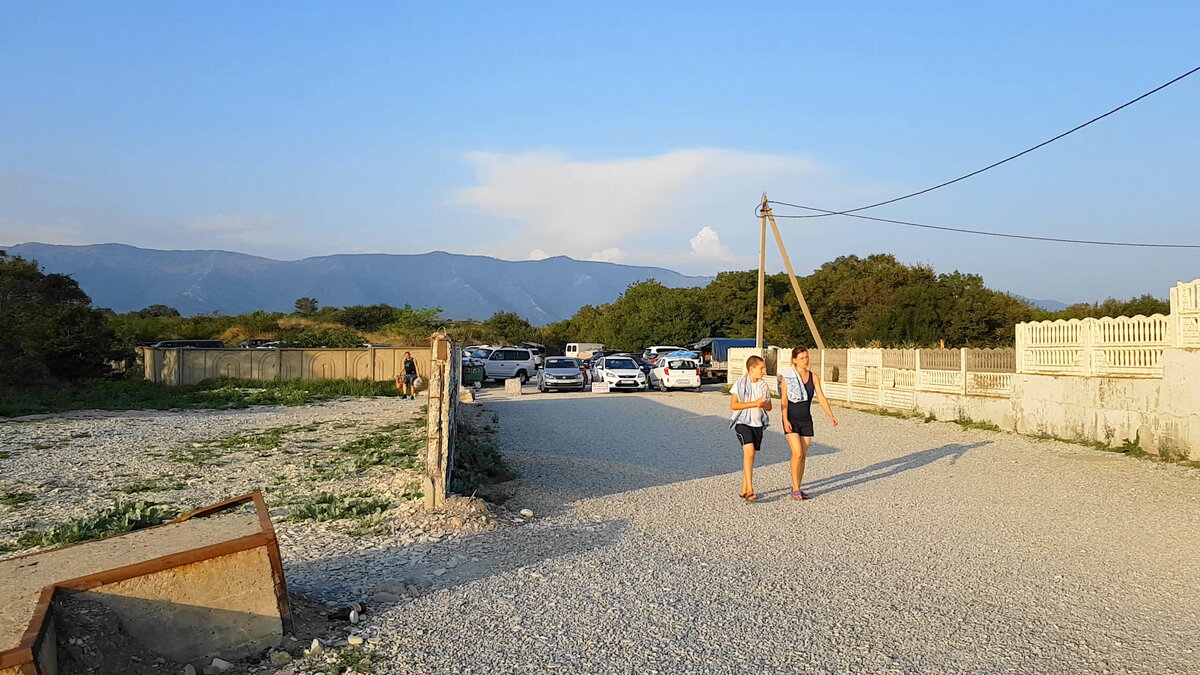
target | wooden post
x=787, y=264
x=762, y=264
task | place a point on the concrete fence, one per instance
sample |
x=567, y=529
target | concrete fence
x=178, y=367
x=1108, y=380
x=445, y=374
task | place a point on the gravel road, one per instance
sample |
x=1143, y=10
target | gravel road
x=927, y=548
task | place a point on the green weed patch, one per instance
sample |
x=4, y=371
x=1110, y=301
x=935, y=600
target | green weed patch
x=120, y=518
x=324, y=507
x=16, y=499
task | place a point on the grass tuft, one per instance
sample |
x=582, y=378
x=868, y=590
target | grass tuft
x=120, y=518
x=16, y=499
x=324, y=506
x=160, y=484
x=477, y=461
x=967, y=423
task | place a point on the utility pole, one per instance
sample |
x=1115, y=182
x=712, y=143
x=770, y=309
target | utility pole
x=765, y=211
x=762, y=271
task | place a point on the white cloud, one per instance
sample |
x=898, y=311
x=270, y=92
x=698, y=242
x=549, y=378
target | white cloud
x=538, y=254
x=707, y=245
x=594, y=209
x=611, y=254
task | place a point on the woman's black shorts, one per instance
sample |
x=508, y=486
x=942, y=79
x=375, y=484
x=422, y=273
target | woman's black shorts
x=800, y=417
x=748, y=435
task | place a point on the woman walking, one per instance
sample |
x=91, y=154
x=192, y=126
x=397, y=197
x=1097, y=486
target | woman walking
x=799, y=387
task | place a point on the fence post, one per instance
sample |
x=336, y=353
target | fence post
x=849, y=374
x=962, y=368
x=1089, y=357
x=880, y=352
x=917, y=372
x=437, y=450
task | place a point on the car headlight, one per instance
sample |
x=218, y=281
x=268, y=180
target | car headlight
x=641, y=376
x=610, y=376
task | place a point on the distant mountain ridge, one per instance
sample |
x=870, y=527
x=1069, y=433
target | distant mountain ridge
x=126, y=278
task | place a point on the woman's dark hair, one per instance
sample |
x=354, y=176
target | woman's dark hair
x=798, y=351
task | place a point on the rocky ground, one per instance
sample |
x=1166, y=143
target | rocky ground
x=926, y=548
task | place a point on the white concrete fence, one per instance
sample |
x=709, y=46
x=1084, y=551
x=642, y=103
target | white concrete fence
x=1112, y=380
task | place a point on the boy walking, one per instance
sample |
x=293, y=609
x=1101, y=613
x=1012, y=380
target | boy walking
x=750, y=400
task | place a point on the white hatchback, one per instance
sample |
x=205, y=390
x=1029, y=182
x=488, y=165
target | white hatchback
x=675, y=373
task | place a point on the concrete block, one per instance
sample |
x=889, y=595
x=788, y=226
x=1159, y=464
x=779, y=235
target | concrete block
x=512, y=387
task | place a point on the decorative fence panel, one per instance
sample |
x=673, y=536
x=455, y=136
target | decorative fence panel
x=892, y=377
x=1123, y=346
x=1185, y=311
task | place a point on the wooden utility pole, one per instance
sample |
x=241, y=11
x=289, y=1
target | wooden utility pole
x=762, y=271
x=787, y=264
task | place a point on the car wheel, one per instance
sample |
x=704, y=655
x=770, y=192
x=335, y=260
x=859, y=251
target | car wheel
x=522, y=376
x=662, y=385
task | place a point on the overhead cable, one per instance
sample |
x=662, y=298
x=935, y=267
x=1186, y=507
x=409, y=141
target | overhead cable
x=825, y=213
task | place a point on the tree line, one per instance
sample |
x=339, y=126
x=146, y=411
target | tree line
x=53, y=334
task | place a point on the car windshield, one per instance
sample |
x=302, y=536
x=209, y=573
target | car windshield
x=562, y=363
x=682, y=364
x=481, y=353
x=620, y=364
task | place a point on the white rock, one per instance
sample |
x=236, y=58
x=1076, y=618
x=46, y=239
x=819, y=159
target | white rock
x=527, y=513
x=353, y=616
x=355, y=640
x=316, y=647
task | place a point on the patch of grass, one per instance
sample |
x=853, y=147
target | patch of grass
x=351, y=659
x=967, y=423
x=120, y=518
x=384, y=449
x=43, y=446
x=266, y=439
x=477, y=462
x=217, y=394
x=898, y=414
x=4, y=454
x=160, y=484
x=196, y=455
x=16, y=499
x=324, y=506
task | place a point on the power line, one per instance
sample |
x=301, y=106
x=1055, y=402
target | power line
x=825, y=213
x=981, y=232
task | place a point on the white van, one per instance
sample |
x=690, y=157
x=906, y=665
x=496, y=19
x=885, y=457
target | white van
x=582, y=350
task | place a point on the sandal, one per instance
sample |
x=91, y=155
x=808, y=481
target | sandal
x=749, y=496
x=800, y=494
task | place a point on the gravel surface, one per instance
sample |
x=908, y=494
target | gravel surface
x=927, y=548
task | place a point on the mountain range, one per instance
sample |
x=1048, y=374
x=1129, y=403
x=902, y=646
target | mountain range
x=125, y=278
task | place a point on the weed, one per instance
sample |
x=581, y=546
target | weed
x=324, y=506
x=120, y=518
x=477, y=462
x=4, y=454
x=266, y=439
x=967, y=423
x=16, y=499
x=898, y=414
x=352, y=659
x=219, y=394
x=384, y=449
x=197, y=455
x=42, y=446
x=160, y=484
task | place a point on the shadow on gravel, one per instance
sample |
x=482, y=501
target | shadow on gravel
x=890, y=467
x=568, y=448
x=501, y=550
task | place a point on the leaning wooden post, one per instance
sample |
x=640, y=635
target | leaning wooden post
x=787, y=264
x=437, y=446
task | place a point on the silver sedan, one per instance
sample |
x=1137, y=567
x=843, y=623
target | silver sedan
x=561, y=372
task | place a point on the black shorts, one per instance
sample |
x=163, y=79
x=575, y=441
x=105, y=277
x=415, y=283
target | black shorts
x=410, y=378
x=748, y=435
x=800, y=417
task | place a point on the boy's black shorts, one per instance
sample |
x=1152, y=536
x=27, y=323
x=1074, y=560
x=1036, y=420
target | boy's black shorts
x=747, y=435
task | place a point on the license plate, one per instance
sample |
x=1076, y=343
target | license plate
x=626, y=382
x=683, y=381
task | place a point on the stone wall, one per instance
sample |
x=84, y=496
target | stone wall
x=177, y=367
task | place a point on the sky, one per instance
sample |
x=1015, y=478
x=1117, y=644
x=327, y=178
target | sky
x=633, y=132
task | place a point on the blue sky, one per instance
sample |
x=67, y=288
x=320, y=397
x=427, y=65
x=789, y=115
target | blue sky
x=635, y=132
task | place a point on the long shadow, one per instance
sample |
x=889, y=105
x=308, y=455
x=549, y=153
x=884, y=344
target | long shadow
x=569, y=448
x=890, y=467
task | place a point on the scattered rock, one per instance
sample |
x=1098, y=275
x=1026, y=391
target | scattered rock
x=354, y=616
x=386, y=598
x=527, y=513
x=189, y=669
x=355, y=640
x=315, y=649
x=280, y=657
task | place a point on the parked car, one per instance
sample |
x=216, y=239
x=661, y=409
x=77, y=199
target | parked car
x=503, y=363
x=561, y=372
x=676, y=373
x=539, y=351
x=620, y=372
x=652, y=353
x=190, y=344
x=253, y=343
